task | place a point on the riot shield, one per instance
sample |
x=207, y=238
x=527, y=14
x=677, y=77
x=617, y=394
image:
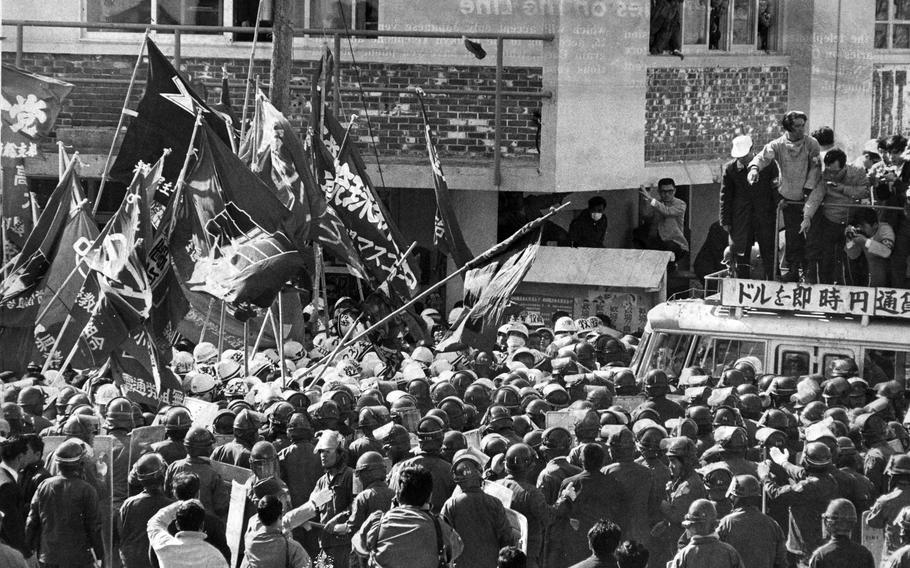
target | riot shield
x=203, y=412
x=873, y=539
x=141, y=440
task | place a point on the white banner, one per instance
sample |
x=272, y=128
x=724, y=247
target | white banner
x=823, y=298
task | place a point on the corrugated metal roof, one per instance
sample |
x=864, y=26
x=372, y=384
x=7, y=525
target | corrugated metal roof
x=619, y=268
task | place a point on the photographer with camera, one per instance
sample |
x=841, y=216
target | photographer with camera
x=867, y=235
x=891, y=180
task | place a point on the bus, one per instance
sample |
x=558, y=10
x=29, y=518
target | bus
x=788, y=329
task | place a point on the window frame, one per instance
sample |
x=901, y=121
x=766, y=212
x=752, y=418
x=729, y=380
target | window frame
x=726, y=45
x=227, y=14
x=889, y=22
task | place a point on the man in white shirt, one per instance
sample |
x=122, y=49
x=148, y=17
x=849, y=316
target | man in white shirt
x=187, y=548
x=875, y=239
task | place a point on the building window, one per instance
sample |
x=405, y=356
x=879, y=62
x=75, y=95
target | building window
x=186, y=12
x=713, y=25
x=892, y=24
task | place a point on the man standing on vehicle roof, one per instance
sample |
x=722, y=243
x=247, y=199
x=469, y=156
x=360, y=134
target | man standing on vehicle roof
x=797, y=156
x=747, y=213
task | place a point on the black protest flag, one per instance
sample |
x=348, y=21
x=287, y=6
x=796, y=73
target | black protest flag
x=352, y=195
x=116, y=299
x=29, y=105
x=49, y=256
x=284, y=163
x=447, y=233
x=138, y=368
x=228, y=238
x=164, y=119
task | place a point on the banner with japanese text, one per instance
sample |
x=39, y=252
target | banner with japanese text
x=823, y=298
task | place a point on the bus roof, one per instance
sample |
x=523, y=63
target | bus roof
x=701, y=317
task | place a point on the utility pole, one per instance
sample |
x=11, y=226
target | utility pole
x=282, y=52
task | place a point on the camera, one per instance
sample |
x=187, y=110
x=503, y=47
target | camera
x=851, y=232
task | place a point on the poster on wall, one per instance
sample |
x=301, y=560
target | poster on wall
x=627, y=310
x=537, y=310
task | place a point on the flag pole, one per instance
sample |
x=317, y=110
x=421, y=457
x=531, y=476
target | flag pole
x=123, y=113
x=221, y=328
x=265, y=320
x=491, y=252
x=392, y=272
x=205, y=323
x=50, y=357
x=246, y=348
x=249, y=72
x=325, y=361
x=280, y=338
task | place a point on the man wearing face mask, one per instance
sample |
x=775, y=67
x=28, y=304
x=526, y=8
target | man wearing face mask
x=590, y=227
x=516, y=338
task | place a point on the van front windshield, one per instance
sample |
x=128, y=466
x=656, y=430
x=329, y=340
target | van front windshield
x=668, y=354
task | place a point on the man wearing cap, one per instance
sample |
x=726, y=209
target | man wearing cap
x=757, y=538
x=747, y=212
x=213, y=492
x=527, y=499
x=338, y=477
x=479, y=519
x=705, y=550
x=839, y=520
x=870, y=156
x=886, y=508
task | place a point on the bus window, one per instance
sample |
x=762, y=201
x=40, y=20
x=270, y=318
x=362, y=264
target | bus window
x=828, y=360
x=880, y=366
x=793, y=362
x=639, y=352
x=669, y=353
x=716, y=354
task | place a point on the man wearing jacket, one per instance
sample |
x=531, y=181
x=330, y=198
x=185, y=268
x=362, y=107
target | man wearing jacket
x=797, y=156
x=840, y=186
x=747, y=212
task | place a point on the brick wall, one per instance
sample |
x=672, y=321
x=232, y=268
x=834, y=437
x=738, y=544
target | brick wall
x=890, y=99
x=691, y=113
x=464, y=123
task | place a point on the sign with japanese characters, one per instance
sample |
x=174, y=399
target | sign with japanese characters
x=537, y=309
x=821, y=298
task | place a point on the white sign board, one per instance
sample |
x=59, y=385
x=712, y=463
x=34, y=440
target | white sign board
x=822, y=298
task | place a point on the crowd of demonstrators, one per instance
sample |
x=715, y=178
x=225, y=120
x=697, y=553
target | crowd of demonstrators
x=392, y=462
x=831, y=234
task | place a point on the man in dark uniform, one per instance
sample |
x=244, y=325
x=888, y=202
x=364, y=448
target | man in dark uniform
x=640, y=499
x=527, y=499
x=584, y=499
x=338, y=477
x=806, y=498
x=300, y=469
x=705, y=550
x=177, y=422
x=657, y=387
x=886, y=508
x=757, y=538
x=64, y=522
x=237, y=451
x=213, y=493
x=31, y=400
x=430, y=433
x=137, y=510
x=840, y=551
x=12, y=529
x=747, y=212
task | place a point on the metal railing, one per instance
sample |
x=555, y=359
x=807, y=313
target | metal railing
x=336, y=34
